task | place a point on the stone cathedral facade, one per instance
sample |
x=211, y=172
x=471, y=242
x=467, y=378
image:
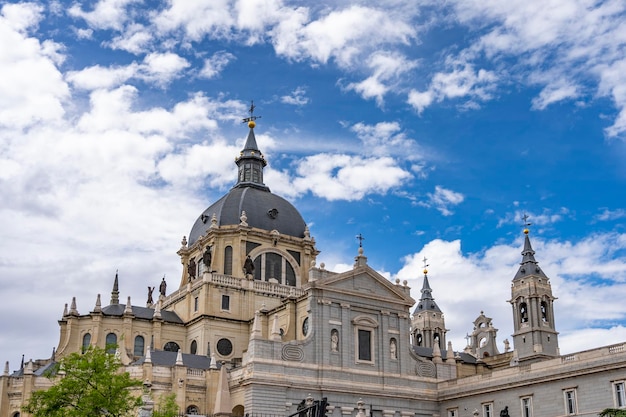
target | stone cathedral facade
x=255, y=326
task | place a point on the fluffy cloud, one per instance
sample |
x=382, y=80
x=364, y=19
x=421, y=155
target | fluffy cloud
x=32, y=87
x=296, y=98
x=215, y=64
x=344, y=177
x=442, y=199
x=462, y=81
x=106, y=14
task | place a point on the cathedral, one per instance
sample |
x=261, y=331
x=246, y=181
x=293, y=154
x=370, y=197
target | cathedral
x=256, y=327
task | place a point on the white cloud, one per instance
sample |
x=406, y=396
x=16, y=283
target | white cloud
x=135, y=39
x=553, y=94
x=21, y=17
x=214, y=65
x=296, y=98
x=560, y=42
x=197, y=18
x=387, y=138
x=387, y=69
x=163, y=67
x=345, y=34
x=98, y=77
x=460, y=82
x=344, y=177
x=608, y=215
x=32, y=88
x=106, y=14
x=442, y=199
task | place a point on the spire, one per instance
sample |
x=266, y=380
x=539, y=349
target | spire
x=250, y=160
x=427, y=302
x=222, y=396
x=128, y=310
x=115, y=294
x=528, y=266
x=98, y=306
x=73, y=310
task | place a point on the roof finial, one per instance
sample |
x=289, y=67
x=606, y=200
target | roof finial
x=360, y=239
x=251, y=120
x=526, y=223
x=425, y=265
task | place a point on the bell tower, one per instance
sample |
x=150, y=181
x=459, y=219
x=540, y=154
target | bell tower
x=428, y=324
x=535, y=336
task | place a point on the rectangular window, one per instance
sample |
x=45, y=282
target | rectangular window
x=453, y=412
x=527, y=407
x=620, y=399
x=488, y=410
x=195, y=304
x=570, y=401
x=226, y=302
x=365, y=345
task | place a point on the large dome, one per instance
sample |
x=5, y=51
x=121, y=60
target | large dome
x=264, y=210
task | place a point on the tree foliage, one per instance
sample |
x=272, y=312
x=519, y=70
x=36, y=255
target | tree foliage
x=91, y=386
x=166, y=406
x=613, y=412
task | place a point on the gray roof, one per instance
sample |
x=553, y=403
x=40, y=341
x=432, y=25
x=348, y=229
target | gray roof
x=426, y=352
x=141, y=313
x=529, y=265
x=427, y=302
x=165, y=358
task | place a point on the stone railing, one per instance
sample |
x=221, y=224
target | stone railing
x=269, y=288
x=195, y=372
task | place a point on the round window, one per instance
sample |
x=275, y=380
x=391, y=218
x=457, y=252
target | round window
x=224, y=347
x=305, y=327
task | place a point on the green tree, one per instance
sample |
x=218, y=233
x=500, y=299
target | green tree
x=91, y=386
x=166, y=406
x=613, y=412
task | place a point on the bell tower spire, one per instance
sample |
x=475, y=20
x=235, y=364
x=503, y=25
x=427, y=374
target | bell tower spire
x=535, y=336
x=429, y=328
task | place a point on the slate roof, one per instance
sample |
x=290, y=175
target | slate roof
x=141, y=313
x=426, y=352
x=165, y=358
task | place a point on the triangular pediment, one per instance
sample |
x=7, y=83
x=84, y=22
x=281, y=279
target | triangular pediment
x=365, y=282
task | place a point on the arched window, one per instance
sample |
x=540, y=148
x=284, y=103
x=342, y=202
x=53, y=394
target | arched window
x=86, y=341
x=171, y=347
x=192, y=410
x=436, y=339
x=139, y=345
x=273, y=266
x=228, y=260
x=111, y=342
x=290, y=275
x=418, y=340
x=523, y=313
x=193, y=348
x=16, y=414
x=544, y=312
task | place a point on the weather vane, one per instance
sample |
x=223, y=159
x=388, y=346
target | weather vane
x=526, y=223
x=361, y=239
x=252, y=117
x=425, y=264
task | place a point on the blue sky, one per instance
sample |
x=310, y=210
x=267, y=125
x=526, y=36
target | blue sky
x=431, y=129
